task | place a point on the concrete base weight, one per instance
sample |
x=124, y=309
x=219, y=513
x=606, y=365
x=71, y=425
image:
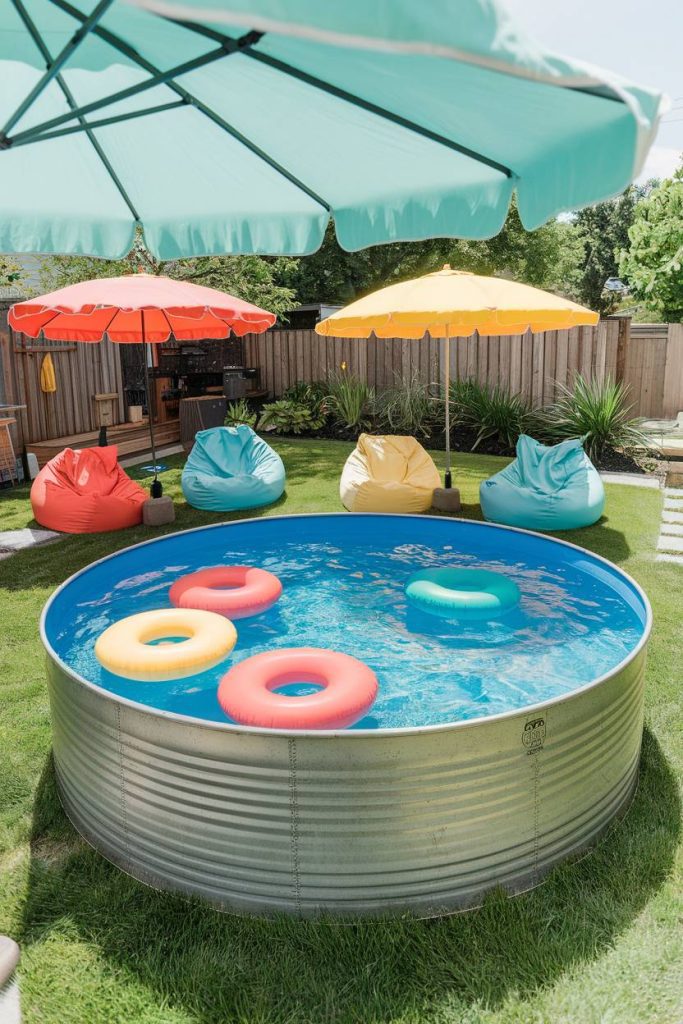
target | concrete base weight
x=158, y=511
x=446, y=499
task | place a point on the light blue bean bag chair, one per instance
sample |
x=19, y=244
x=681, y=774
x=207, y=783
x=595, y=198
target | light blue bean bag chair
x=545, y=488
x=232, y=468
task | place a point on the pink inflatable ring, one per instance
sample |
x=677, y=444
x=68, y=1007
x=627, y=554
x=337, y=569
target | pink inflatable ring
x=349, y=688
x=235, y=591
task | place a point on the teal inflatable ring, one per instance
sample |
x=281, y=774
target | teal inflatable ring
x=462, y=593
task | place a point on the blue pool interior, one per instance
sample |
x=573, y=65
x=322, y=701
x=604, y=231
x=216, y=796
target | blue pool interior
x=343, y=578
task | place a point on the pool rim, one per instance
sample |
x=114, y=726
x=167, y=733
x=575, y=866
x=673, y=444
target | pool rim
x=405, y=730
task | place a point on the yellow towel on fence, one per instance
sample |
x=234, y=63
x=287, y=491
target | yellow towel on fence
x=48, y=381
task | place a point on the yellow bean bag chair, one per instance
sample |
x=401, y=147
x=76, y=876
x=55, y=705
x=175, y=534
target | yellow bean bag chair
x=388, y=474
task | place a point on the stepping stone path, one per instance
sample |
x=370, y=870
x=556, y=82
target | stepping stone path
x=17, y=540
x=670, y=543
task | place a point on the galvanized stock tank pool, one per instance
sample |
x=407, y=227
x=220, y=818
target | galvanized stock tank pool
x=495, y=749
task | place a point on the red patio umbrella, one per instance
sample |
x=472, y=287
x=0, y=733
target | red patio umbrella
x=138, y=309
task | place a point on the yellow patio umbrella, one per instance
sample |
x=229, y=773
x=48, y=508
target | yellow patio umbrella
x=454, y=304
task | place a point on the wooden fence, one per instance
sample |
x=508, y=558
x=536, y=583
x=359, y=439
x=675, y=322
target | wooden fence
x=529, y=365
x=653, y=368
x=648, y=357
x=81, y=372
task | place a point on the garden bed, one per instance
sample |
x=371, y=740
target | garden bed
x=485, y=419
x=462, y=441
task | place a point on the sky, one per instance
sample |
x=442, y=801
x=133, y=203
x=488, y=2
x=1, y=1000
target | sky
x=640, y=39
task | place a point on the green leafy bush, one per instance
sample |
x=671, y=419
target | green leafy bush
x=310, y=393
x=407, y=408
x=598, y=413
x=240, y=412
x=495, y=414
x=289, y=418
x=349, y=401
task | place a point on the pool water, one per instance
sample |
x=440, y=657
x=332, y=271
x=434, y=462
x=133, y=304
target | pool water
x=343, y=588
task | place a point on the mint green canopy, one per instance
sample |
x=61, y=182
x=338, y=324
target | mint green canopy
x=240, y=126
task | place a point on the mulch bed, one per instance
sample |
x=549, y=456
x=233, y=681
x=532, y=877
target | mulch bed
x=612, y=461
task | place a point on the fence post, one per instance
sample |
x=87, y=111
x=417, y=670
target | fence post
x=623, y=339
x=10, y=390
x=672, y=398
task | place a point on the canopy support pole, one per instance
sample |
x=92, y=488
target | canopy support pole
x=89, y=126
x=55, y=65
x=448, y=480
x=42, y=48
x=160, y=78
x=229, y=46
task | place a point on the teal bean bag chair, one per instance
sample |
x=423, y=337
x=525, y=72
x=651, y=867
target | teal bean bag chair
x=232, y=468
x=545, y=488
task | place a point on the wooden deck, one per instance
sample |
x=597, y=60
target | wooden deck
x=129, y=438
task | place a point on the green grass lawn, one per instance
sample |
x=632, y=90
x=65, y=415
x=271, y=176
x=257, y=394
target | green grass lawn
x=600, y=941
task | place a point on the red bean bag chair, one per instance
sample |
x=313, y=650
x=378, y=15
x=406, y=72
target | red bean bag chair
x=86, y=491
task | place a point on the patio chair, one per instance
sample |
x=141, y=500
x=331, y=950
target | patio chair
x=86, y=491
x=388, y=474
x=232, y=468
x=545, y=488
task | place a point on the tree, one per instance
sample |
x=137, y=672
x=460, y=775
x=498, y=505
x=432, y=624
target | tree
x=603, y=230
x=256, y=279
x=10, y=272
x=653, y=258
x=545, y=258
x=549, y=258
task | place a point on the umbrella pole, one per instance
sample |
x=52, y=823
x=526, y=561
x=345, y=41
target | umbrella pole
x=448, y=480
x=156, y=490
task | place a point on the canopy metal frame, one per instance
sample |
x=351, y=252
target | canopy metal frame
x=32, y=29
x=228, y=45
x=349, y=97
x=76, y=119
x=55, y=64
x=85, y=126
x=157, y=77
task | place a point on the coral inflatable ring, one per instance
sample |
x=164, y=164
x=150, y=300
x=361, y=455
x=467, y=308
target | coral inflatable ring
x=246, y=692
x=235, y=591
x=127, y=647
x=451, y=593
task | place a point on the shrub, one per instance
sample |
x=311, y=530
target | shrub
x=407, y=408
x=349, y=401
x=597, y=413
x=289, y=418
x=239, y=412
x=310, y=393
x=495, y=413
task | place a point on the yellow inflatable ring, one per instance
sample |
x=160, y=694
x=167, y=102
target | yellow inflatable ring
x=126, y=649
